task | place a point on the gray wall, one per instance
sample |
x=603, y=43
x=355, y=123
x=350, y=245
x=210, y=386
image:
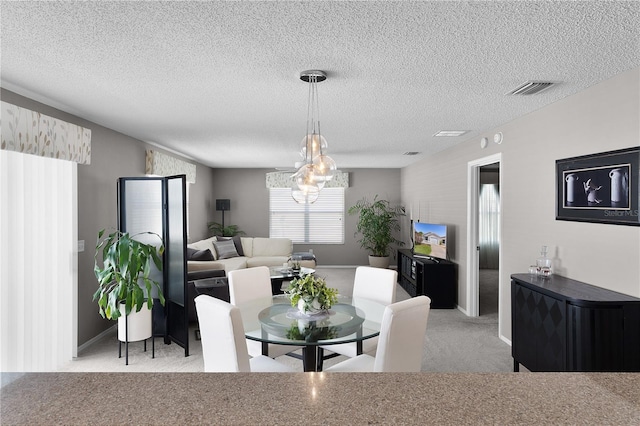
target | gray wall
x=250, y=207
x=113, y=155
x=602, y=118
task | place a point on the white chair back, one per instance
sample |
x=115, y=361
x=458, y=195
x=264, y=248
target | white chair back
x=250, y=290
x=222, y=336
x=402, y=335
x=249, y=284
x=370, y=284
x=375, y=284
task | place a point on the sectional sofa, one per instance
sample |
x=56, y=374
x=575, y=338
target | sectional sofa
x=234, y=253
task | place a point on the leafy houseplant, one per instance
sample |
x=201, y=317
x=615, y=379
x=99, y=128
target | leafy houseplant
x=311, y=294
x=219, y=230
x=311, y=332
x=377, y=222
x=125, y=262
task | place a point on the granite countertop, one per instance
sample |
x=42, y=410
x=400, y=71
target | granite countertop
x=322, y=398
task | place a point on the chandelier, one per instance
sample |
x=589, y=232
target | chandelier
x=317, y=168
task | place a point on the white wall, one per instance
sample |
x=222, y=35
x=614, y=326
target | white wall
x=602, y=118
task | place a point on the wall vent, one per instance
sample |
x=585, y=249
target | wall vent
x=531, y=88
x=450, y=133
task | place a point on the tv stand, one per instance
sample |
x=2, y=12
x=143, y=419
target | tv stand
x=423, y=257
x=424, y=275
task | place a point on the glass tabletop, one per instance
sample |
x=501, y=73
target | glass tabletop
x=276, y=321
x=277, y=272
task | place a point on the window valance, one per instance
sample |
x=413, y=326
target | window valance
x=283, y=180
x=31, y=132
x=161, y=164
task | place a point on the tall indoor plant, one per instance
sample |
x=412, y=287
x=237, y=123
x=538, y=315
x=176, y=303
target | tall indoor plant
x=378, y=221
x=126, y=268
x=220, y=230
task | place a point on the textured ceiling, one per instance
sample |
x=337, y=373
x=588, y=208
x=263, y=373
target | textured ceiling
x=218, y=81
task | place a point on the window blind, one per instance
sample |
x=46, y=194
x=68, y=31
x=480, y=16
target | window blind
x=319, y=223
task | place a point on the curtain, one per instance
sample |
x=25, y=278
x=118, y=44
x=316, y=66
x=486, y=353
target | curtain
x=488, y=226
x=38, y=262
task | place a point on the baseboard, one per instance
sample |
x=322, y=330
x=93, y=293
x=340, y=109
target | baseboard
x=504, y=339
x=464, y=311
x=339, y=266
x=99, y=337
x=394, y=266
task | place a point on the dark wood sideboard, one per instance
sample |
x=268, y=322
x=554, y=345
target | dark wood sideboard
x=434, y=278
x=559, y=324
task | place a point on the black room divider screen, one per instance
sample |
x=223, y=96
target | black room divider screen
x=158, y=204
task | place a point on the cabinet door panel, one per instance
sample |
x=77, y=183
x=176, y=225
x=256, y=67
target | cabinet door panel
x=596, y=340
x=551, y=344
x=525, y=324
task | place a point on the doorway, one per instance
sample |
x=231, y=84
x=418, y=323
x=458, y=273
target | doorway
x=483, y=235
x=488, y=239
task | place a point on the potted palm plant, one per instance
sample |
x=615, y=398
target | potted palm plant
x=219, y=230
x=378, y=221
x=123, y=267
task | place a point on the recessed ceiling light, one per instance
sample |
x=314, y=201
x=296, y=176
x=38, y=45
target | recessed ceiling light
x=411, y=153
x=450, y=133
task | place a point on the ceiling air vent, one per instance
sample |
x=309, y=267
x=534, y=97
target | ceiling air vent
x=531, y=88
x=411, y=153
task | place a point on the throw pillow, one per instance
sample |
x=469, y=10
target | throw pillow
x=226, y=249
x=201, y=255
x=236, y=241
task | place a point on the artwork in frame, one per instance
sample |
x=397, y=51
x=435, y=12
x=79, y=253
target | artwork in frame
x=599, y=188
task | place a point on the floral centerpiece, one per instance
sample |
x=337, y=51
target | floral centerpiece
x=311, y=294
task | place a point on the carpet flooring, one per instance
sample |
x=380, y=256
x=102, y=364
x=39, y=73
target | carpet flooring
x=454, y=342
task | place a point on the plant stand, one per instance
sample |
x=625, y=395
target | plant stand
x=140, y=321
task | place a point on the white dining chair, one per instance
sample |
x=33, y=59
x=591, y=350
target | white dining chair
x=250, y=290
x=401, y=344
x=376, y=284
x=223, y=342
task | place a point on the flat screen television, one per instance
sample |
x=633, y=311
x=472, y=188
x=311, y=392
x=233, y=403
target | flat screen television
x=429, y=240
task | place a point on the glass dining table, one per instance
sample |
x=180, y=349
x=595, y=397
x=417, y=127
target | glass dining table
x=275, y=321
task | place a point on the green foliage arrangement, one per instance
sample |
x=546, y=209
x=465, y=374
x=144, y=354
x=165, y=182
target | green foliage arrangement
x=125, y=262
x=313, y=291
x=377, y=222
x=224, y=231
x=311, y=332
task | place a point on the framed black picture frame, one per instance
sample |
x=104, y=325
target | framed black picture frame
x=601, y=188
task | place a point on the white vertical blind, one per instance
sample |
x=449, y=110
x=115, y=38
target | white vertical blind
x=38, y=262
x=319, y=223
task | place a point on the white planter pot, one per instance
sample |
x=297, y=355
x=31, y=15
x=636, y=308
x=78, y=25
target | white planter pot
x=139, y=324
x=314, y=309
x=379, y=262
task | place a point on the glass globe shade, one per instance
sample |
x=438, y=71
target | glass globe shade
x=302, y=197
x=305, y=177
x=306, y=195
x=324, y=168
x=315, y=142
